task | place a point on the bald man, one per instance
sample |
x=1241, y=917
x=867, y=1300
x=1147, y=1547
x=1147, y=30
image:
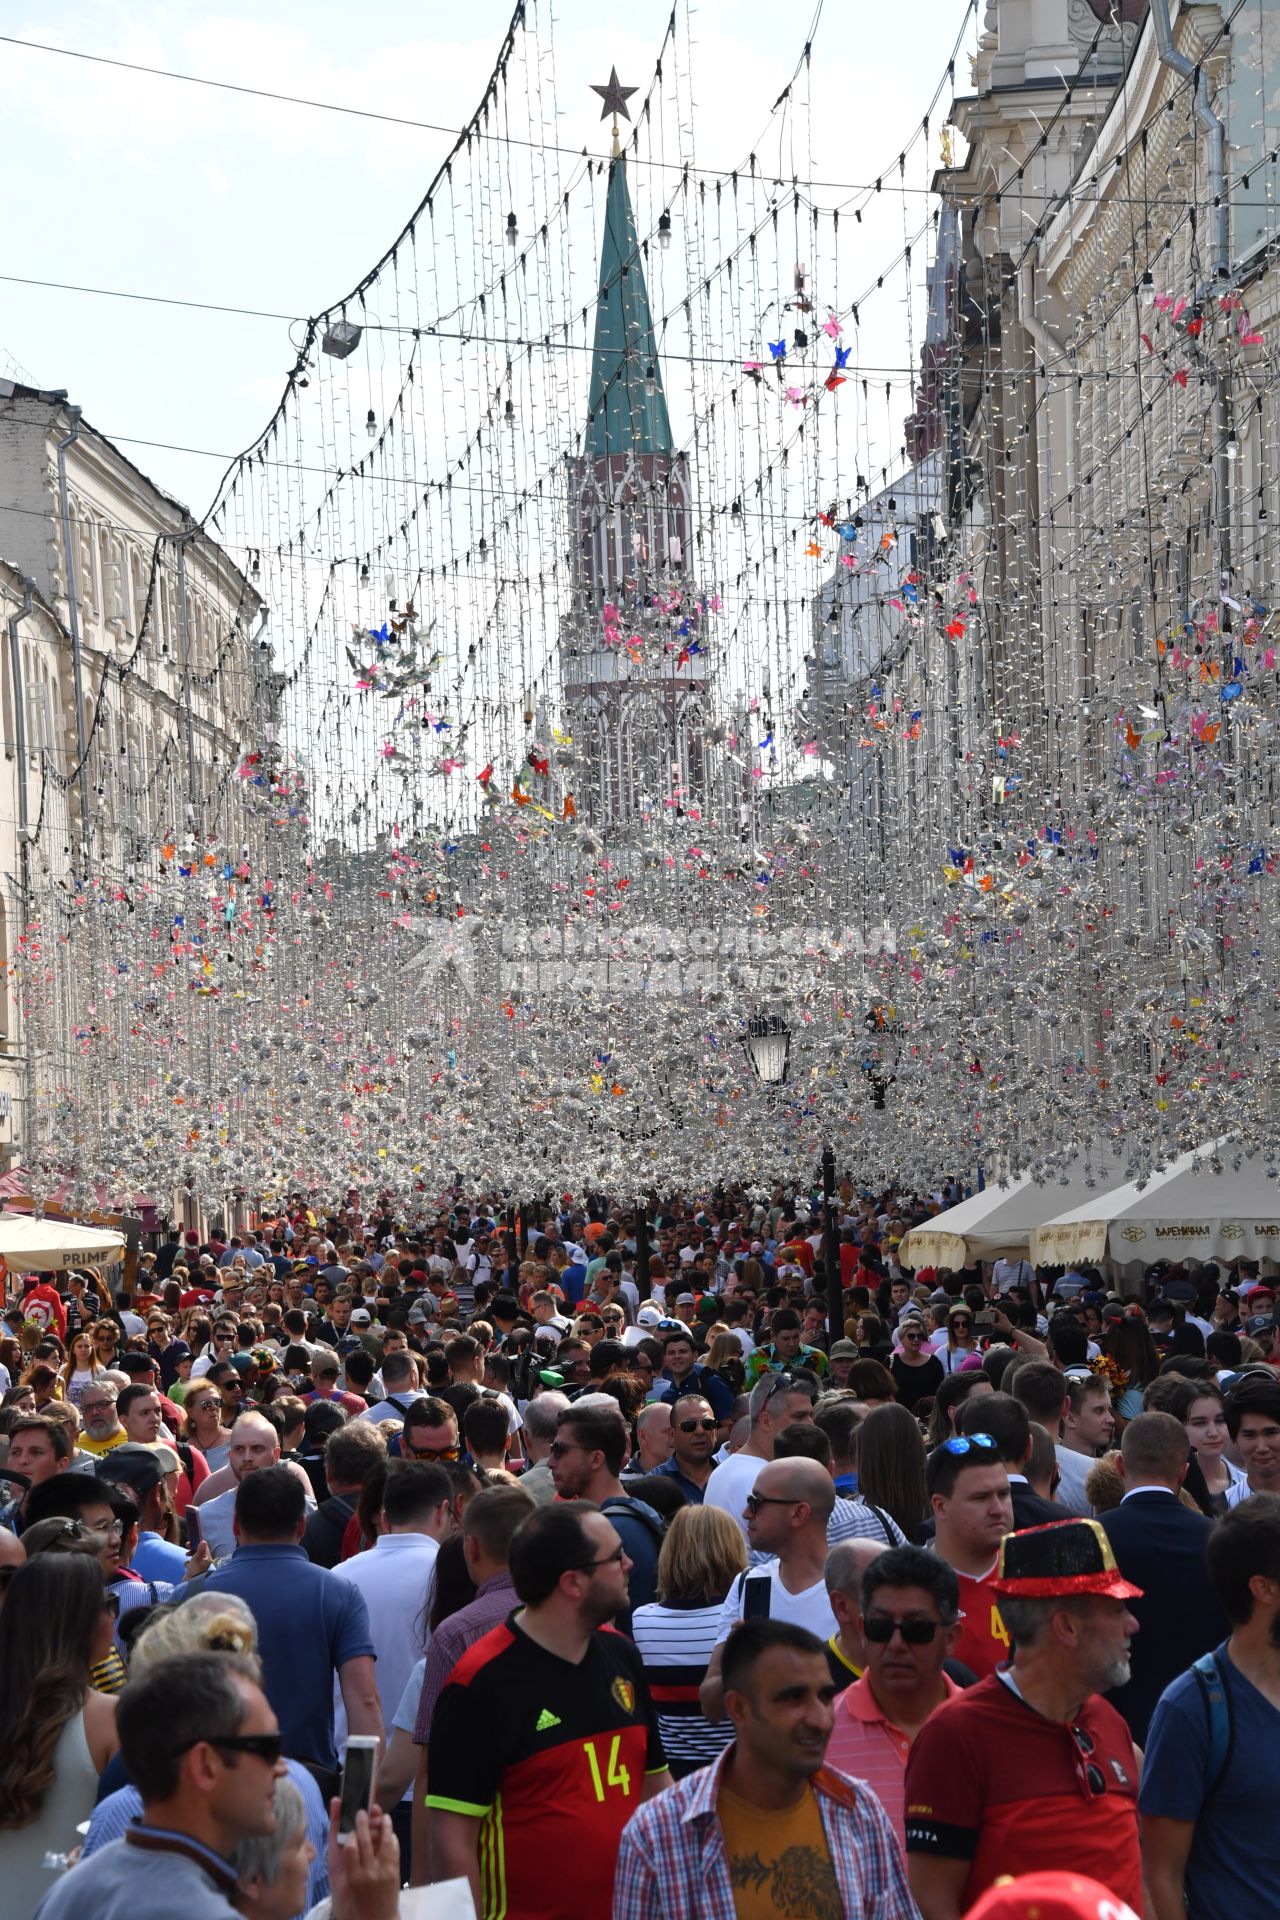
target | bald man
x=786, y=1516
x=254, y=1444
x=843, y=1573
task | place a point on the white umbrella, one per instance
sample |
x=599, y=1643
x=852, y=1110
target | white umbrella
x=1000, y=1218
x=28, y=1245
x=1202, y=1207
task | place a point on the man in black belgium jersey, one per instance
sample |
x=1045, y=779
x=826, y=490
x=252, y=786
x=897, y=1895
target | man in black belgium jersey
x=544, y=1741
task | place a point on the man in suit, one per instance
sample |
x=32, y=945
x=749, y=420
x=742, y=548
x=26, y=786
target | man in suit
x=1005, y=1419
x=1159, y=1544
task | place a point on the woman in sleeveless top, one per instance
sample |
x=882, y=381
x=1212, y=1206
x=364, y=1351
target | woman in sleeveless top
x=59, y=1733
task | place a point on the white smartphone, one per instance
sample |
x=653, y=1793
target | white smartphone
x=359, y=1774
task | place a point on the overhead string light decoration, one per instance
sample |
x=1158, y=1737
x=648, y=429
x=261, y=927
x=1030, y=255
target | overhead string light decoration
x=680, y=610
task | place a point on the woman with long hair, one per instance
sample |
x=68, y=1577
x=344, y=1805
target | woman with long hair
x=44, y=1381
x=81, y=1369
x=891, y=1467
x=59, y=1734
x=1127, y=1343
x=961, y=1341
x=1198, y=1404
x=724, y=1358
x=702, y=1555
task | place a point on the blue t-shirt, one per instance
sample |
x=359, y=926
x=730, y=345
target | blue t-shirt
x=310, y=1623
x=1233, y=1871
x=158, y=1559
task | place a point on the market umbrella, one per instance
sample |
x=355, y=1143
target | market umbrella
x=28, y=1245
x=1000, y=1219
x=1214, y=1203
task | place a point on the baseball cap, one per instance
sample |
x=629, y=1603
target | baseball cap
x=1259, y=1323
x=686, y=1300
x=1062, y=1558
x=650, y=1316
x=843, y=1350
x=1050, y=1896
x=362, y=1317
x=134, y=1467
x=242, y=1362
x=417, y=1317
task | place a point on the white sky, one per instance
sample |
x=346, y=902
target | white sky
x=123, y=181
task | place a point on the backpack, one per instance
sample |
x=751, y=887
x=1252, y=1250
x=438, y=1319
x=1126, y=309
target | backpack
x=648, y=1516
x=1222, y=1730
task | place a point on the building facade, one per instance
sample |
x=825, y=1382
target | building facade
x=134, y=679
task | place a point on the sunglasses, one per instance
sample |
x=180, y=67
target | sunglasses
x=967, y=1443
x=880, y=1628
x=262, y=1746
x=204, y=1406
x=111, y=1605
x=697, y=1426
x=610, y=1560
x=754, y=1502
x=1092, y=1781
x=559, y=1448
x=961, y=1320
x=435, y=1453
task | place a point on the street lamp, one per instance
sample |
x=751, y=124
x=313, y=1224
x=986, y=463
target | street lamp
x=768, y=1047
x=767, y=1044
x=880, y=1052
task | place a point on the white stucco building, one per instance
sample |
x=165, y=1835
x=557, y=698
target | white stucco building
x=134, y=676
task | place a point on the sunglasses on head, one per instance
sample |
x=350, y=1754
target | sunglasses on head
x=880, y=1628
x=968, y=1442
x=697, y=1426
x=798, y=1382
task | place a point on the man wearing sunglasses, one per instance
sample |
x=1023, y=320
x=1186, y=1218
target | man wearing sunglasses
x=199, y=1740
x=693, y=1428
x=1031, y=1770
x=909, y=1618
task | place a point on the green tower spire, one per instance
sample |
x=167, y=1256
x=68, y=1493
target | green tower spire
x=623, y=417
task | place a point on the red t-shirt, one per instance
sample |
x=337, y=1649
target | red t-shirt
x=984, y=1639
x=993, y=1782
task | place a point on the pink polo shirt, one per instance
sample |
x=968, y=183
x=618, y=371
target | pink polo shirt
x=868, y=1746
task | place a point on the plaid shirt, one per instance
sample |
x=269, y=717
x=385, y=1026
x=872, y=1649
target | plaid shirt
x=672, y=1863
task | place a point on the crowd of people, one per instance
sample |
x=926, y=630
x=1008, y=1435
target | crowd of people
x=678, y=1564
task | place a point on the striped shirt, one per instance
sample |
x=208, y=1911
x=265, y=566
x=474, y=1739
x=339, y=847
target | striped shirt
x=865, y=1743
x=673, y=1863
x=856, y=1520
x=676, y=1644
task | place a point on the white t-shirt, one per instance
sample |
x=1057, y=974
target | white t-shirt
x=731, y=1482
x=811, y=1607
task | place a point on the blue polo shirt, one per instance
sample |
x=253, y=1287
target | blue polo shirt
x=310, y=1623
x=689, y=1488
